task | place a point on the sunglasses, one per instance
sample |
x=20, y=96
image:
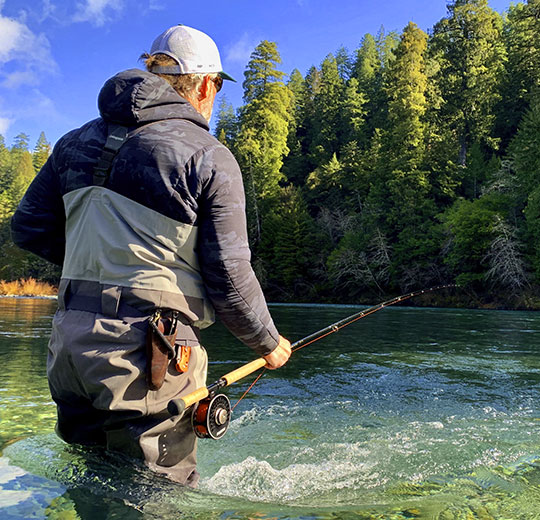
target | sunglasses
x=218, y=82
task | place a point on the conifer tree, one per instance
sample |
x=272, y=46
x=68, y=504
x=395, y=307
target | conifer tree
x=41, y=152
x=261, y=72
x=326, y=120
x=344, y=63
x=525, y=153
x=226, y=124
x=288, y=238
x=406, y=90
x=353, y=113
x=4, y=164
x=367, y=71
x=263, y=129
x=468, y=45
x=367, y=65
x=294, y=164
x=522, y=75
x=23, y=173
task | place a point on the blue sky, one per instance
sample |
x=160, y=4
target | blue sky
x=56, y=54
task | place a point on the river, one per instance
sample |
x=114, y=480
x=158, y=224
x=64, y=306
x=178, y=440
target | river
x=408, y=413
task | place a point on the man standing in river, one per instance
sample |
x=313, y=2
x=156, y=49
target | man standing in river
x=144, y=209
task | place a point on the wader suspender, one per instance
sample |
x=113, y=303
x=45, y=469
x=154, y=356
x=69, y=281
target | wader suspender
x=116, y=138
x=160, y=343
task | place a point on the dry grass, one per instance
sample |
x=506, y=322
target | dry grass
x=27, y=287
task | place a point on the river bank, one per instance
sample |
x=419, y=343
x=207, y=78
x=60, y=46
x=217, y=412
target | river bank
x=452, y=298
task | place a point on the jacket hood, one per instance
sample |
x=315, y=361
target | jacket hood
x=134, y=96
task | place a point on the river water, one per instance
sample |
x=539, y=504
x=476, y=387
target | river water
x=408, y=413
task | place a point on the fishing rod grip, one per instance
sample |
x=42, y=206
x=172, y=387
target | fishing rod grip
x=244, y=371
x=178, y=406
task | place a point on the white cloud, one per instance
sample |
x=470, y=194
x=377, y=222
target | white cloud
x=241, y=50
x=11, y=32
x=28, y=54
x=97, y=12
x=4, y=125
x=156, y=5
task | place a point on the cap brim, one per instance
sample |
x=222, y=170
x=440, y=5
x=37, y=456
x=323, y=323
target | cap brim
x=224, y=75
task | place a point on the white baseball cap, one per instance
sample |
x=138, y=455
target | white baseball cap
x=194, y=51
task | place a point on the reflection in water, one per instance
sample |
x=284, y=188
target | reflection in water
x=410, y=413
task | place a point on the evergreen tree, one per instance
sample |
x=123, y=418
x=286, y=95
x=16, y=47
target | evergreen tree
x=468, y=45
x=226, y=124
x=4, y=164
x=525, y=153
x=263, y=129
x=344, y=63
x=23, y=173
x=261, y=71
x=326, y=120
x=41, y=152
x=406, y=90
x=522, y=77
x=367, y=65
x=286, y=244
x=367, y=71
x=295, y=166
x=353, y=113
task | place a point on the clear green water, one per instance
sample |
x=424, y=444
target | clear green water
x=409, y=413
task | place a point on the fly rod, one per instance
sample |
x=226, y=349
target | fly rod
x=211, y=416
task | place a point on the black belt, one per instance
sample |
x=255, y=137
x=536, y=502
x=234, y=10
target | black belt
x=125, y=312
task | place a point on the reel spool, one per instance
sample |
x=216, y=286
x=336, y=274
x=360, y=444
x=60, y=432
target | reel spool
x=211, y=417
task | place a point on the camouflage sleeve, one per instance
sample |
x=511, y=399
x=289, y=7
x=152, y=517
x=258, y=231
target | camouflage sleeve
x=224, y=254
x=39, y=221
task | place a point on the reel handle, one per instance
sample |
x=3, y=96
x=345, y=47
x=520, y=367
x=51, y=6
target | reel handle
x=178, y=406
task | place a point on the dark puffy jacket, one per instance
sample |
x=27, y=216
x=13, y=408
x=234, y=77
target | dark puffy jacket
x=170, y=220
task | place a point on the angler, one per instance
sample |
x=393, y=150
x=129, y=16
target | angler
x=144, y=210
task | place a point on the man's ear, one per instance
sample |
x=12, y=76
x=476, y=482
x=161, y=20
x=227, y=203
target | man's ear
x=206, y=88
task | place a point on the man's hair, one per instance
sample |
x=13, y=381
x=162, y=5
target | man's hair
x=184, y=84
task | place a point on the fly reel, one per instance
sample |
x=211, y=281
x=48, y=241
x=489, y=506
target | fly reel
x=211, y=417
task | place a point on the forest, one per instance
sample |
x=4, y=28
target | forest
x=410, y=162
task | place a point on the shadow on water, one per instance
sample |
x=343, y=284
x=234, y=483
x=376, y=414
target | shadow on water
x=408, y=414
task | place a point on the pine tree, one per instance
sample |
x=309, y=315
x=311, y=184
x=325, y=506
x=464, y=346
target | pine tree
x=367, y=71
x=525, y=154
x=344, y=63
x=522, y=72
x=295, y=168
x=326, y=121
x=286, y=243
x=468, y=45
x=406, y=90
x=263, y=130
x=226, y=124
x=4, y=164
x=41, y=152
x=353, y=114
x=261, y=71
